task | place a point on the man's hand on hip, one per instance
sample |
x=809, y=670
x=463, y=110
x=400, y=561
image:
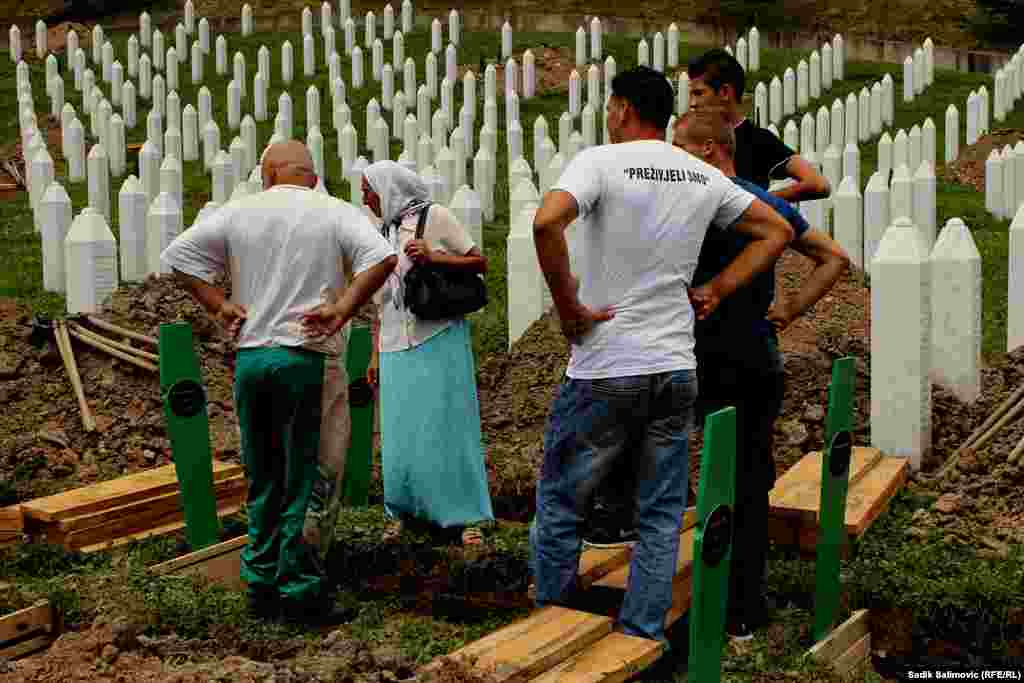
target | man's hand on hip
x=704, y=300
x=232, y=316
x=322, y=321
x=580, y=320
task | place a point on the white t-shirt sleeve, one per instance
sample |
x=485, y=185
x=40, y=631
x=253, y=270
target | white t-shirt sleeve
x=583, y=178
x=202, y=250
x=361, y=244
x=445, y=229
x=734, y=202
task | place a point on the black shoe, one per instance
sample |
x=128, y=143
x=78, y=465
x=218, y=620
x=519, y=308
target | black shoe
x=320, y=612
x=263, y=603
x=614, y=537
x=740, y=631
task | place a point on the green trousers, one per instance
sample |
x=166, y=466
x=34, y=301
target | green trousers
x=281, y=401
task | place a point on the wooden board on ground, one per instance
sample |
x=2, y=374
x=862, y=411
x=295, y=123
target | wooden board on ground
x=597, y=563
x=684, y=565
x=228, y=508
x=220, y=563
x=797, y=493
x=28, y=630
x=796, y=523
x=847, y=648
x=224, y=489
x=116, y=492
x=613, y=659
x=12, y=525
x=532, y=646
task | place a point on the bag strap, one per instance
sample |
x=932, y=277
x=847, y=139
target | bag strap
x=421, y=223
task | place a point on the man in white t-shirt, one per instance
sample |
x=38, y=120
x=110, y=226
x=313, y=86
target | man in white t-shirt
x=644, y=209
x=287, y=251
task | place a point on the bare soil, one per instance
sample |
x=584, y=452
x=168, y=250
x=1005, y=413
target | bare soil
x=969, y=168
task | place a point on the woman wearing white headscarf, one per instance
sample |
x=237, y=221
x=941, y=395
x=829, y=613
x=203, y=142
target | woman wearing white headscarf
x=432, y=450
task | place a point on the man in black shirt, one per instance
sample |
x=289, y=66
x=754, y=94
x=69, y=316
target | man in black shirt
x=717, y=81
x=738, y=360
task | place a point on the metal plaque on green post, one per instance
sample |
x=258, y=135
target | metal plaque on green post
x=188, y=427
x=356, y=482
x=712, y=546
x=835, y=471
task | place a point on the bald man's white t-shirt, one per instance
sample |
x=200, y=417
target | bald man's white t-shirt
x=644, y=209
x=287, y=250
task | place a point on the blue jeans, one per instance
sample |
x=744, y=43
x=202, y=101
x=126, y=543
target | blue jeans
x=593, y=425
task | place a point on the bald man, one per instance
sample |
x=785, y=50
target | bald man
x=287, y=250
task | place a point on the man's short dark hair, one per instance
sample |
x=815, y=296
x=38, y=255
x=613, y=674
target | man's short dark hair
x=648, y=91
x=717, y=67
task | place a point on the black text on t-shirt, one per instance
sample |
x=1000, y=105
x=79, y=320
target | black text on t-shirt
x=666, y=175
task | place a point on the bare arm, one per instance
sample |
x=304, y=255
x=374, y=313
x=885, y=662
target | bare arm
x=554, y=216
x=362, y=288
x=473, y=260
x=326, y=319
x=809, y=183
x=769, y=233
x=830, y=261
x=556, y=213
x=212, y=299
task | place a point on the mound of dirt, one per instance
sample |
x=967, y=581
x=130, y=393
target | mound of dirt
x=115, y=652
x=44, y=448
x=969, y=168
x=517, y=388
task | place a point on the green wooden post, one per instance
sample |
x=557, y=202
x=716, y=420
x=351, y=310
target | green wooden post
x=189, y=430
x=835, y=470
x=712, y=546
x=356, y=482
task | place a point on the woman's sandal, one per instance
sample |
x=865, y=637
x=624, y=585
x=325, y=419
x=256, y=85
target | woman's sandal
x=472, y=536
x=392, y=532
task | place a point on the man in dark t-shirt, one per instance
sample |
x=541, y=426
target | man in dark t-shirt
x=738, y=361
x=717, y=81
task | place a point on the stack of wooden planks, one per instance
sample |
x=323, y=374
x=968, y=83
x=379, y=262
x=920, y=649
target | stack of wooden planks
x=874, y=480
x=28, y=631
x=125, y=509
x=12, y=525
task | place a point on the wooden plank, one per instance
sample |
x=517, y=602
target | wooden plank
x=797, y=493
x=533, y=645
x=12, y=525
x=682, y=595
x=852, y=662
x=835, y=644
x=596, y=563
x=220, y=563
x=138, y=520
x=15, y=626
x=199, y=556
x=169, y=527
x=115, y=492
x=27, y=647
x=613, y=659
x=230, y=487
x=684, y=564
x=866, y=501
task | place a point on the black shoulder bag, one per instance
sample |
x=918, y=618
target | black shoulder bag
x=435, y=292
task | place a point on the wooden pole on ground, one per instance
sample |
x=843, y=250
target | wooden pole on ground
x=67, y=354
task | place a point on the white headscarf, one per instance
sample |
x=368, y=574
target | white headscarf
x=401, y=191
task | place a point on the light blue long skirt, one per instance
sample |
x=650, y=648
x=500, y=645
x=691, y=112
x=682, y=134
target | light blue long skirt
x=433, y=459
